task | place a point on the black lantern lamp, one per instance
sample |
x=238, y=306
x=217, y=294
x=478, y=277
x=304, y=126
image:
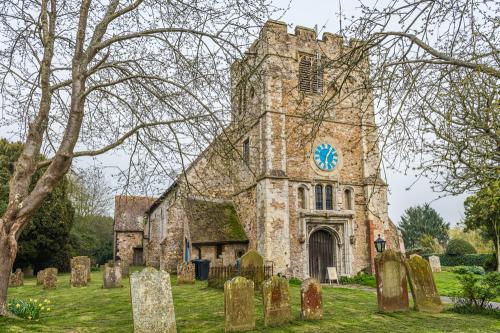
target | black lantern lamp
x=379, y=244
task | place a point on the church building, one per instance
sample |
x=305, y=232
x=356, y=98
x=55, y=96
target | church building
x=295, y=175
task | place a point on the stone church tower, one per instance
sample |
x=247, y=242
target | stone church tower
x=302, y=175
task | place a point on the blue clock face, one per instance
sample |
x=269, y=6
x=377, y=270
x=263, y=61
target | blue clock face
x=326, y=157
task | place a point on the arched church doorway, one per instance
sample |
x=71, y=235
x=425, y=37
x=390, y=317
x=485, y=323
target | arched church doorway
x=321, y=254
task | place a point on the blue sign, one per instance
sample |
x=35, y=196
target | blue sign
x=326, y=157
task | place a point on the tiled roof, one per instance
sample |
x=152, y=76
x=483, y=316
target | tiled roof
x=129, y=212
x=213, y=222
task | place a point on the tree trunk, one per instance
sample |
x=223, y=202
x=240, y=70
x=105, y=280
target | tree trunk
x=8, y=250
x=498, y=253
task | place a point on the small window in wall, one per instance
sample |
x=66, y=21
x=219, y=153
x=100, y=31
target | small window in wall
x=219, y=251
x=329, y=197
x=347, y=199
x=246, y=150
x=318, y=189
x=186, y=253
x=301, y=198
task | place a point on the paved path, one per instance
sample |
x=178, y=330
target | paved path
x=444, y=299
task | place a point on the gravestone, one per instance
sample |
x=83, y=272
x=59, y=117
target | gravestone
x=276, y=299
x=16, y=278
x=390, y=274
x=112, y=276
x=252, y=267
x=435, y=263
x=50, y=278
x=79, y=275
x=84, y=261
x=239, y=305
x=185, y=273
x=152, y=303
x=39, y=277
x=423, y=288
x=414, y=255
x=28, y=271
x=311, y=300
x=124, y=266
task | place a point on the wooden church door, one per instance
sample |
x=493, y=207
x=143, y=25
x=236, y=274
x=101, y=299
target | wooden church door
x=321, y=254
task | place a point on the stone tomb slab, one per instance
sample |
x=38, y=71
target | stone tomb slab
x=276, y=299
x=239, y=305
x=84, y=262
x=423, y=288
x=39, y=277
x=311, y=300
x=112, y=276
x=435, y=264
x=252, y=267
x=390, y=274
x=49, y=278
x=152, y=302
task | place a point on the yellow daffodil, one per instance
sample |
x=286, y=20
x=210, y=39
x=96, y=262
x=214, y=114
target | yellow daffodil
x=48, y=309
x=36, y=301
x=42, y=308
x=46, y=301
x=29, y=317
x=18, y=305
x=31, y=299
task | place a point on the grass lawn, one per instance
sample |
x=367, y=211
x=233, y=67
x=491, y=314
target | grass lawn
x=199, y=309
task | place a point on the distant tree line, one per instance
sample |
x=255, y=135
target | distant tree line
x=69, y=223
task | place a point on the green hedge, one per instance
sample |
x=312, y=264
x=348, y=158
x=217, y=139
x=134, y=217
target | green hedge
x=465, y=260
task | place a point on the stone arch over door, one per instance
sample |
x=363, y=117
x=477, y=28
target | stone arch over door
x=323, y=252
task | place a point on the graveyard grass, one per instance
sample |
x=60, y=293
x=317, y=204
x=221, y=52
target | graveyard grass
x=199, y=309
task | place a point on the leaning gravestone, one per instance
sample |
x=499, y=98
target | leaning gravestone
x=276, y=299
x=435, y=264
x=185, y=273
x=423, y=288
x=152, y=303
x=311, y=300
x=390, y=274
x=16, y=278
x=50, y=278
x=252, y=267
x=39, y=277
x=239, y=304
x=112, y=276
x=82, y=261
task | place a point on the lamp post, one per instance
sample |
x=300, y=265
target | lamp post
x=379, y=244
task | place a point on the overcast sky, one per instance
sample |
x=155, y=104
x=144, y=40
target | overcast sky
x=325, y=14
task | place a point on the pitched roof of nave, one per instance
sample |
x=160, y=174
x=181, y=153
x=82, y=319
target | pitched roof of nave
x=129, y=212
x=214, y=221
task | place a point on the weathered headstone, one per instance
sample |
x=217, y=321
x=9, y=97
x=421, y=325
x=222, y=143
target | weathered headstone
x=423, y=288
x=16, y=278
x=28, y=271
x=49, y=278
x=83, y=261
x=435, y=263
x=239, y=305
x=185, y=273
x=39, y=277
x=124, y=266
x=79, y=275
x=152, y=303
x=112, y=276
x=390, y=274
x=311, y=300
x=252, y=267
x=414, y=255
x=276, y=299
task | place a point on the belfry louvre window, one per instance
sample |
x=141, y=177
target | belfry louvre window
x=310, y=74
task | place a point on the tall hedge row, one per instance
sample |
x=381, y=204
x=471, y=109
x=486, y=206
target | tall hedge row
x=466, y=260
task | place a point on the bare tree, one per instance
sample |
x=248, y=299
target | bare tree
x=89, y=192
x=434, y=75
x=83, y=77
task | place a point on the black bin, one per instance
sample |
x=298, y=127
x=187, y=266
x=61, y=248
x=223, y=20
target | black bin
x=201, y=268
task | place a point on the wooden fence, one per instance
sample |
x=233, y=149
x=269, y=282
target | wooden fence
x=218, y=275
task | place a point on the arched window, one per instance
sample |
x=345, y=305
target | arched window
x=319, y=196
x=329, y=197
x=301, y=198
x=347, y=199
